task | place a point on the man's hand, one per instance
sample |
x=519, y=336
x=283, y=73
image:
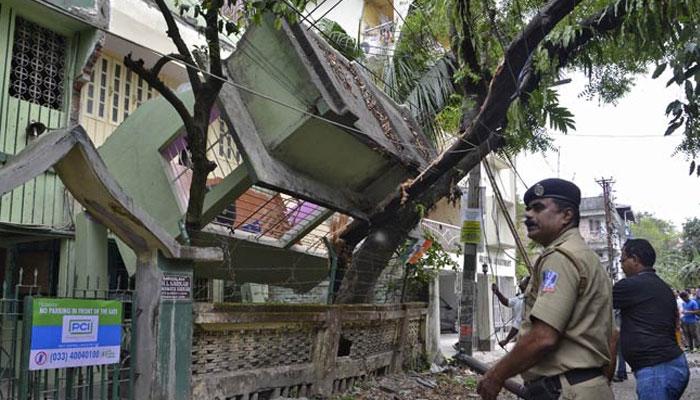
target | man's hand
x=489, y=386
x=494, y=288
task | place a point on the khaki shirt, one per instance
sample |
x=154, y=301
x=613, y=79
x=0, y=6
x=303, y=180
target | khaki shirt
x=578, y=304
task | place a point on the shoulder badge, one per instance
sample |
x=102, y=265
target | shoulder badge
x=549, y=281
x=539, y=190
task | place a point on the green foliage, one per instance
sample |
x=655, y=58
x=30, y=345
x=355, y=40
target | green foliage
x=449, y=118
x=419, y=74
x=429, y=266
x=609, y=83
x=691, y=239
x=665, y=239
x=339, y=39
x=247, y=12
x=469, y=382
x=689, y=274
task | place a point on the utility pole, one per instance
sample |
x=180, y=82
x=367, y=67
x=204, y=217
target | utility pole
x=466, y=315
x=606, y=184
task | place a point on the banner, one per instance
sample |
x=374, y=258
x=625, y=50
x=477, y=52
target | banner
x=471, y=226
x=74, y=333
x=418, y=250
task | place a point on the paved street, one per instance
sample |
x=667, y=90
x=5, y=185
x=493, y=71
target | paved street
x=623, y=390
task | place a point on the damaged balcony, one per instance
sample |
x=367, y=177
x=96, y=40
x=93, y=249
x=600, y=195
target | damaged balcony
x=290, y=172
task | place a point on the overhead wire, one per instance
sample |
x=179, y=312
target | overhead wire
x=249, y=90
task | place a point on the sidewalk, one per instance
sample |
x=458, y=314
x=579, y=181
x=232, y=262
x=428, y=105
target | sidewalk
x=489, y=357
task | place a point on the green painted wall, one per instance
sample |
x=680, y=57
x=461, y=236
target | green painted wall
x=139, y=139
x=66, y=268
x=40, y=201
x=73, y=3
x=43, y=200
x=291, y=85
x=266, y=61
x=90, y=253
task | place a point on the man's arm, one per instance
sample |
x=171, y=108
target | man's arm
x=610, y=370
x=503, y=299
x=528, y=351
x=511, y=334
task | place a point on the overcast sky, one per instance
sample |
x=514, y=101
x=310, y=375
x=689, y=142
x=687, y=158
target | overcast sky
x=624, y=142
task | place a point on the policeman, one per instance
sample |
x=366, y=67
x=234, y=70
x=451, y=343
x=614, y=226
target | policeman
x=563, y=344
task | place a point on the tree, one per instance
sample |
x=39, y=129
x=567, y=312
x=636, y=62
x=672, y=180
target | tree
x=665, y=239
x=205, y=73
x=507, y=66
x=507, y=57
x=691, y=238
x=689, y=273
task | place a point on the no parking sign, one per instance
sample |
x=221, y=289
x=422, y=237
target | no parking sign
x=74, y=333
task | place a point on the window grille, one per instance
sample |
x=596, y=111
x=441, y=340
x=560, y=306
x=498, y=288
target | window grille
x=227, y=148
x=38, y=65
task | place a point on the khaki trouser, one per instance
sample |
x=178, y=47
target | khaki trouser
x=597, y=388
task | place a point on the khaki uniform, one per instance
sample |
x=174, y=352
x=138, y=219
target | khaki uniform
x=570, y=291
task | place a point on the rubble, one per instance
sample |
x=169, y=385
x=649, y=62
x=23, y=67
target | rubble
x=452, y=383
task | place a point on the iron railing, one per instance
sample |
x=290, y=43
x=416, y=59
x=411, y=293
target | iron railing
x=91, y=382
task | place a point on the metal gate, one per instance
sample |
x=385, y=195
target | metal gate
x=93, y=382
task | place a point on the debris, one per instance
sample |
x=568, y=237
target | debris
x=427, y=383
x=436, y=369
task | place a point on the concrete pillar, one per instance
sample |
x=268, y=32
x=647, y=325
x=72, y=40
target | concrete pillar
x=484, y=322
x=324, y=354
x=90, y=254
x=163, y=327
x=432, y=326
x=217, y=288
x=66, y=268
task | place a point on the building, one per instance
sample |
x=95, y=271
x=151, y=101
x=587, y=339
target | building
x=496, y=252
x=595, y=233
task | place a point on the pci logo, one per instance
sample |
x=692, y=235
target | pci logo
x=78, y=328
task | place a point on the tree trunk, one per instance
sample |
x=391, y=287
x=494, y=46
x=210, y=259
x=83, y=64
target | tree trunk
x=400, y=211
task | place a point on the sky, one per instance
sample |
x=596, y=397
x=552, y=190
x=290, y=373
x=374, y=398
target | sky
x=624, y=142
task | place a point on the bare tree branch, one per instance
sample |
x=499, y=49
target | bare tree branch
x=155, y=70
x=174, y=34
x=152, y=79
x=211, y=32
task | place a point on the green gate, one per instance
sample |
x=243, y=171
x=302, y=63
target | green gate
x=80, y=383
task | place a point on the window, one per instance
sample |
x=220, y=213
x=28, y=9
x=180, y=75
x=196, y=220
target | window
x=594, y=226
x=38, y=65
x=114, y=91
x=103, y=87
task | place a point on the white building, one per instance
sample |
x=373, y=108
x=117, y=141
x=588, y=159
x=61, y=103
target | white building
x=595, y=233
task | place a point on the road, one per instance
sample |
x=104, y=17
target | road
x=623, y=390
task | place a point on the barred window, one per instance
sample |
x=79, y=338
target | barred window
x=38, y=65
x=227, y=148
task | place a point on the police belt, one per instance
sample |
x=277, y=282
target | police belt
x=549, y=387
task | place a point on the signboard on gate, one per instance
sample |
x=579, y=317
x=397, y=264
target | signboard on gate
x=74, y=333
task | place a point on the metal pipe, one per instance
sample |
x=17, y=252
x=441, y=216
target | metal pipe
x=481, y=368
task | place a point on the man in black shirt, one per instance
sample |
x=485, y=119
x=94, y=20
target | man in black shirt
x=647, y=332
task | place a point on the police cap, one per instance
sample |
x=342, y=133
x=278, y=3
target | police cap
x=554, y=188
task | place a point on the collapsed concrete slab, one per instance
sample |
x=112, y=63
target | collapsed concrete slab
x=312, y=124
